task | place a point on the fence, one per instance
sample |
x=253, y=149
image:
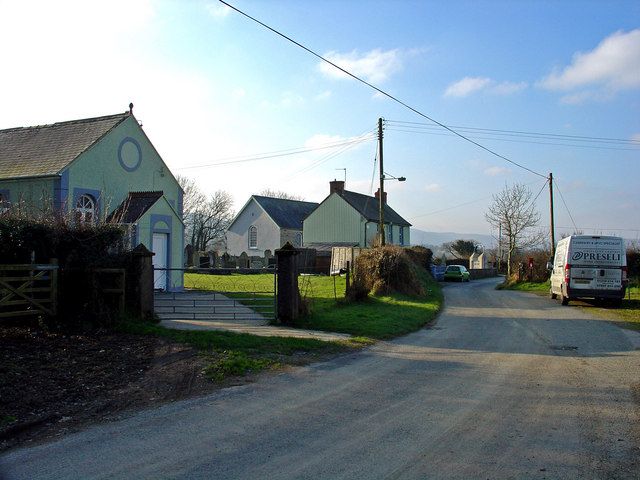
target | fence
x=28, y=290
x=221, y=294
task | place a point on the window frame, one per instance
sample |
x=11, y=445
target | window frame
x=252, y=237
x=89, y=206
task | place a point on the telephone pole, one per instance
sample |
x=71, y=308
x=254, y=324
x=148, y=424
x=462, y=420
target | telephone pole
x=552, y=228
x=381, y=192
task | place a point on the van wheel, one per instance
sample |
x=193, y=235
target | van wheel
x=552, y=295
x=615, y=302
x=564, y=300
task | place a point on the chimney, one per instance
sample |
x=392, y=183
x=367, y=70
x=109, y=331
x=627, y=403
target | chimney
x=336, y=186
x=384, y=197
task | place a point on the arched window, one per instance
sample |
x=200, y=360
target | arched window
x=253, y=236
x=297, y=241
x=85, y=209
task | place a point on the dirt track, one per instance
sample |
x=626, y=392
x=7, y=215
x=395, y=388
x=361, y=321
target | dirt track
x=505, y=385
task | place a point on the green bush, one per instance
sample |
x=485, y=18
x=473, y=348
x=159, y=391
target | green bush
x=633, y=261
x=78, y=248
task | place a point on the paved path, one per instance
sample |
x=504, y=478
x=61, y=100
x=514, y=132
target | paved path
x=253, y=328
x=229, y=316
x=506, y=385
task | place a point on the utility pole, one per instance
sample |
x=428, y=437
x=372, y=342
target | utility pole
x=499, y=246
x=552, y=228
x=381, y=192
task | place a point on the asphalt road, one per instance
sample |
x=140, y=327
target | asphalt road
x=505, y=385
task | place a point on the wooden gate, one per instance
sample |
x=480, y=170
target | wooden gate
x=28, y=290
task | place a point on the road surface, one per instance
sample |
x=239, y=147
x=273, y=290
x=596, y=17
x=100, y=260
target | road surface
x=505, y=385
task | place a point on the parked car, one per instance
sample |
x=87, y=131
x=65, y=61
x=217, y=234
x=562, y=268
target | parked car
x=589, y=266
x=457, y=272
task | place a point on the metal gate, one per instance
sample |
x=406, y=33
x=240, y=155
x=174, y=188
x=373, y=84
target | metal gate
x=221, y=294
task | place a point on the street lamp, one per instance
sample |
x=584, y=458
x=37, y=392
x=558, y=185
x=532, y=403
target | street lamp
x=384, y=176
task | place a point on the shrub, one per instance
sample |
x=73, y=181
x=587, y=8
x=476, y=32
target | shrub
x=421, y=256
x=383, y=270
x=78, y=249
x=633, y=261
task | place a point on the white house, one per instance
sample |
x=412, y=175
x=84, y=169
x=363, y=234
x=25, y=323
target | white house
x=265, y=224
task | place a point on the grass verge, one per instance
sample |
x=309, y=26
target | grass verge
x=377, y=317
x=230, y=354
x=627, y=314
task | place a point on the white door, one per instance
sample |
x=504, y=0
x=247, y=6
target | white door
x=160, y=244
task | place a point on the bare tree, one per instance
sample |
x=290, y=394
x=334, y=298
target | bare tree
x=205, y=218
x=514, y=211
x=192, y=196
x=210, y=220
x=267, y=192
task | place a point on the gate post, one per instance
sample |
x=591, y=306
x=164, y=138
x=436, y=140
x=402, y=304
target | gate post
x=288, y=294
x=140, y=287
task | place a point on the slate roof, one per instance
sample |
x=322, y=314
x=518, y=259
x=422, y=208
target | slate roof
x=286, y=213
x=46, y=149
x=134, y=206
x=368, y=208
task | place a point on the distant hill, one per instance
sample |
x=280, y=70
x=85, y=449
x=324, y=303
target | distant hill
x=435, y=239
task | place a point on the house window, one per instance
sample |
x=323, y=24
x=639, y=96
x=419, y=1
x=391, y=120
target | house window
x=401, y=239
x=253, y=236
x=85, y=209
x=297, y=241
x=390, y=234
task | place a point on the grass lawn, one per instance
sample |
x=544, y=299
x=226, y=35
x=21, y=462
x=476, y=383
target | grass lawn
x=377, y=318
x=628, y=314
x=232, y=354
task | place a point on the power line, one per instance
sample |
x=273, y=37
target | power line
x=388, y=95
x=467, y=203
x=599, y=147
x=418, y=125
x=362, y=138
x=283, y=153
x=543, y=185
x=604, y=229
x=565, y=205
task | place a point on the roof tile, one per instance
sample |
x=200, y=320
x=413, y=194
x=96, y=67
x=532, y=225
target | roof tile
x=46, y=149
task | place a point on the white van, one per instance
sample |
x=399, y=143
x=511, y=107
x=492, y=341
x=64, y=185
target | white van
x=588, y=266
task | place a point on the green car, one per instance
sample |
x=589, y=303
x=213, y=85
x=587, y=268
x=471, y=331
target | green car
x=457, y=272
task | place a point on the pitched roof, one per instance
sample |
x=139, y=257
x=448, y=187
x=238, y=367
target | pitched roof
x=134, y=206
x=46, y=149
x=369, y=208
x=286, y=213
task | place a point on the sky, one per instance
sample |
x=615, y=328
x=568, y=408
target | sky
x=238, y=108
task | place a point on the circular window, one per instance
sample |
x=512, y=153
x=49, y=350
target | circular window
x=129, y=154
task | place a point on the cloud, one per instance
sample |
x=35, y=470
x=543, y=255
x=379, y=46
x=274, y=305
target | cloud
x=432, y=187
x=635, y=137
x=238, y=93
x=508, y=88
x=375, y=66
x=466, y=86
x=495, y=171
x=469, y=85
x=287, y=99
x=613, y=66
x=323, y=96
x=217, y=10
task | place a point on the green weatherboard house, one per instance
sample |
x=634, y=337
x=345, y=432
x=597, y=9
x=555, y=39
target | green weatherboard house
x=98, y=168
